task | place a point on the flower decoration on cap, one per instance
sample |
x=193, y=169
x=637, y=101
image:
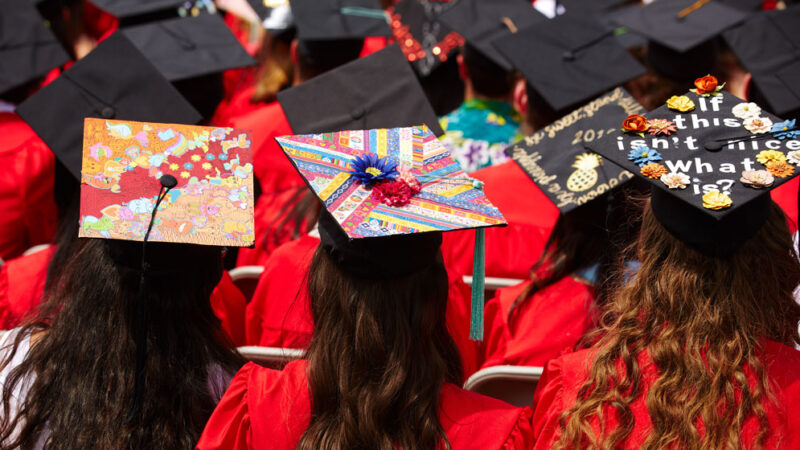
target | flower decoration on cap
x=680, y=103
x=780, y=169
x=793, y=157
x=757, y=179
x=661, y=126
x=767, y=156
x=716, y=200
x=785, y=129
x=369, y=169
x=707, y=86
x=643, y=154
x=746, y=110
x=654, y=170
x=635, y=124
x=758, y=125
x=675, y=180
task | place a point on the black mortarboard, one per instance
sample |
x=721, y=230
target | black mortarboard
x=591, y=5
x=189, y=47
x=744, y=5
x=275, y=15
x=425, y=40
x=768, y=46
x=556, y=160
x=28, y=49
x=569, y=59
x=481, y=22
x=114, y=81
x=377, y=91
x=710, y=166
x=127, y=10
x=319, y=20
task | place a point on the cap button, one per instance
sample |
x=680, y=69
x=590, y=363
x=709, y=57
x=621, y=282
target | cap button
x=358, y=113
x=568, y=56
x=712, y=146
x=108, y=112
x=168, y=181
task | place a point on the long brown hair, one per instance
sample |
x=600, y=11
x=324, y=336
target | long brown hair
x=378, y=359
x=276, y=71
x=84, y=363
x=700, y=320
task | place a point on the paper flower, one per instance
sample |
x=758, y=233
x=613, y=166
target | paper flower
x=661, y=126
x=395, y=192
x=675, y=180
x=707, y=86
x=642, y=155
x=793, y=157
x=785, y=129
x=408, y=177
x=635, y=124
x=746, y=110
x=757, y=179
x=767, y=156
x=680, y=103
x=653, y=170
x=758, y=125
x=369, y=169
x=716, y=200
x=780, y=169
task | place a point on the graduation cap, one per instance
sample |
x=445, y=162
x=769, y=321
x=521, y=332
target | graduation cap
x=389, y=194
x=557, y=161
x=377, y=91
x=320, y=20
x=481, y=22
x=425, y=40
x=28, y=48
x=131, y=11
x=585, y=6
x=711, y=158
x=275, y=15
x=569, y=59
x=114, y=81
x=189, y=47
x=768, y=46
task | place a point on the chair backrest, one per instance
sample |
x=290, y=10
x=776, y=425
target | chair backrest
x=492, y=284
x=512, y=384
x=246, y=279
x=272, y=357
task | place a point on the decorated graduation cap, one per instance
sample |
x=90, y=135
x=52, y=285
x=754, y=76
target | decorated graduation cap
x=135, y=10
x=425, y=40
x=569, y=59
x=397, y=189
x=28, y=48
x=377, y=91
x=275, y=15
x=189, y=47
x=557, y=161
x=114, y=81
x=711, y=158
x=319, y=20
x=768, y=46
x=481, y=22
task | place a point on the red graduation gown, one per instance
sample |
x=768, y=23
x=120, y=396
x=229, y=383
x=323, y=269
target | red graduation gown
x=564, y=376
x=786, y=197
x=265, y=408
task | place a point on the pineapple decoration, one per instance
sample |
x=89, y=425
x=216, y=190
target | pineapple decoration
x=585, y=176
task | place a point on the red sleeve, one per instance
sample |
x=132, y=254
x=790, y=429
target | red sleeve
x=786, y=197
x=40, y=207
x=229, y=306
x=229, y=425
x=6, y=315
x=548, y=404
x=521, y=436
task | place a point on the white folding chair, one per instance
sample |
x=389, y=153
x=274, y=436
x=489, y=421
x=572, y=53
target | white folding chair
x=246, y=279
x=512, y=384
x=272, y=357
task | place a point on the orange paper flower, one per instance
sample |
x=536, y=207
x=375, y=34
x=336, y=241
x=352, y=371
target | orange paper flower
x=707, y=85
x=653, y=170
x=635, y=123
x=716, y=200
x=780, y=169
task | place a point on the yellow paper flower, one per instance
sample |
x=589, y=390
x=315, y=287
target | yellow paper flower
x=780, y=169
x=207, y=166
x=195, y=157
x=653, y=170
x=767, y=156
x=716, y=200
x=680, y=103
x=184, y=174
x=173, y=166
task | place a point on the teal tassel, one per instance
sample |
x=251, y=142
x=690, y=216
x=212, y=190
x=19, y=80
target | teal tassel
x=476, y=325
x=368, y=13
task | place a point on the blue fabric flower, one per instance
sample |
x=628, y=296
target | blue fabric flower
x=369, y=169
x=785, y=129
x=643, y=154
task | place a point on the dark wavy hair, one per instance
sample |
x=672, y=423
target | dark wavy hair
x=84, y=351
x=378, y=359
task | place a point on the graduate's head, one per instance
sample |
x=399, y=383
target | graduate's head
x=487, y=78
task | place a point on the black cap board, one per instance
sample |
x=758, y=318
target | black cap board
x=744, y=5
x=124, y=9
x=28, y=49
x=114, y=81
x=481, y=22
x=768, y=46
x=275, y=15
x=425, y=40
x=660, y=21
x=189, y=47
x=377, y=91
x=556, y=160
x=569, y=59
x=319, y=20
x=714, y=161
x=592, y=5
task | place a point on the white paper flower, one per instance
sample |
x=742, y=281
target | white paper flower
x=675, y=180
x=746, y=110
x=758, y=125
x=757, y=179
x=793, y=157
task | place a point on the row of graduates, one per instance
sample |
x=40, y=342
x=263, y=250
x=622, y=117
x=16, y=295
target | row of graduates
x=286, y=268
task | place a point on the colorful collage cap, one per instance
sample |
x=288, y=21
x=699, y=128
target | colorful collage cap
x=125, y=164
x=557, y=161
x=426, y=42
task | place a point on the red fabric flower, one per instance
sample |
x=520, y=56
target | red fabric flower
x=395, y=192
